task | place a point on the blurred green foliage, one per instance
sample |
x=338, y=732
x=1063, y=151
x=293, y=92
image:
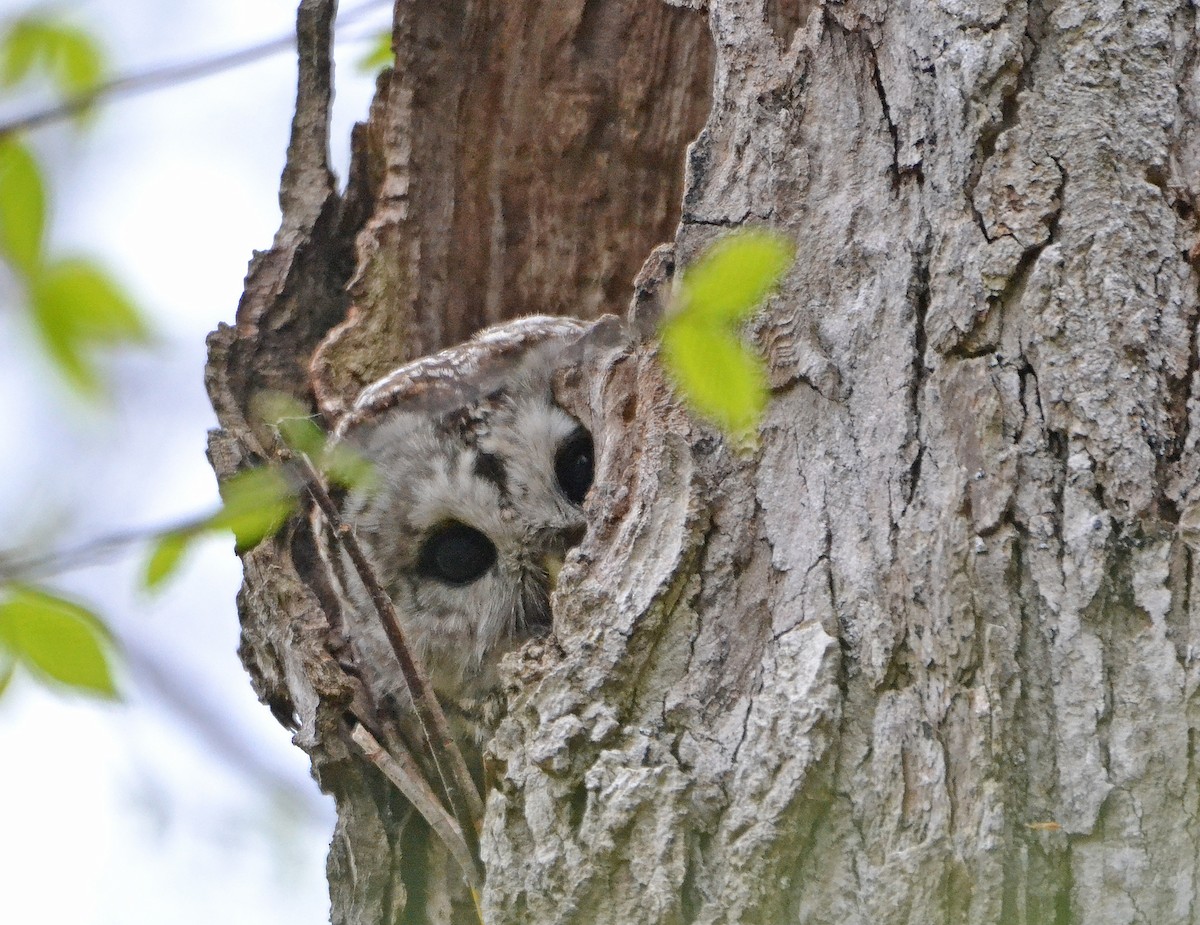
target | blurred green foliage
x=62, y=641
x=41, y=44
x=166, y=555
x=75, y=306
x=77, y=309
x=57, y=640
x=719, y=377
x=339, y=463
x=254, y=504
x=380, y=54
x=22, y=207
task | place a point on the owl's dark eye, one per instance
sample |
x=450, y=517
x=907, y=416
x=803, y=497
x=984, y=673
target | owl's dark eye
x=456, y=554
x=573, y=465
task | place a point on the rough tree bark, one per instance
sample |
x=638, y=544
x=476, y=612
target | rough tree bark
x=929, y=655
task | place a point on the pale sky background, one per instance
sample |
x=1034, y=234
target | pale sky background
x=132, y=814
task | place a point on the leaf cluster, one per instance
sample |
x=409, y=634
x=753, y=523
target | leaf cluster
x=63, y=642
x=75, y=306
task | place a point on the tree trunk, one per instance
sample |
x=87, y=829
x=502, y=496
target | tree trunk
x=928, y=654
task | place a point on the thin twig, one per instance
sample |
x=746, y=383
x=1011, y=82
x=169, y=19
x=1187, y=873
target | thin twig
x=17, y=565
x=399, y=767
x=464, y=799
x=168, y=76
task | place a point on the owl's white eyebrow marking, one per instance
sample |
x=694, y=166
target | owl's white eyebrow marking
x=490, y=349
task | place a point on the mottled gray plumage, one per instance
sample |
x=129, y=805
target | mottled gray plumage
x=464, y=443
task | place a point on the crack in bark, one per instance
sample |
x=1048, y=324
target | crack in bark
x=1049, y=883
x=1015, y=285
x=920, y=299
x=893, y=131
x=1181, y=396
x=758, y=686
x=1059, y=447
x=1010, y=114
x=1192, y=776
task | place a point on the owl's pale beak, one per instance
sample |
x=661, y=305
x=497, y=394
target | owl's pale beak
x=553, y=565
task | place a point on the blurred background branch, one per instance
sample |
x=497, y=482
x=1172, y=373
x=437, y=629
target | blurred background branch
x=159, y=78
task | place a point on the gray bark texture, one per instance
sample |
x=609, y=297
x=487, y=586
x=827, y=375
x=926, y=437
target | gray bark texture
x=927, y=655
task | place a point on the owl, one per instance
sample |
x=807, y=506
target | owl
x=476, y=497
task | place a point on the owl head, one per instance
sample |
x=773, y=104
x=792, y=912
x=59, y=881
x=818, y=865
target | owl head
x=479, y=481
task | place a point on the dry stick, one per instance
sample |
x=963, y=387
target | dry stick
x=464, y=799
x=399, y=767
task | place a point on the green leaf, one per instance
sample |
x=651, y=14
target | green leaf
x=77, y=307
x=340, y=463
x=166, y=556
x=718, y=376
x=733, y=277
x=8, y=667
x=58, y=639
x=302, y=434
x=78, y=63
x=22, y=207
x=92, y=301
x=20, y=48
x=257, y=502
x=380, y=55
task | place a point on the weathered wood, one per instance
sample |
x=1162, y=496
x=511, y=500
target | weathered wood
x=928, y=656
x=521, y=159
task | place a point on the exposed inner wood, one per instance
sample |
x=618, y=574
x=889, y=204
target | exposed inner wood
x=521, y=159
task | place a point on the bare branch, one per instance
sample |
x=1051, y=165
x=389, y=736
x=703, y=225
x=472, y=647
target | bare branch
x=464, y=799
x=169, y=75
x=24, y=566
